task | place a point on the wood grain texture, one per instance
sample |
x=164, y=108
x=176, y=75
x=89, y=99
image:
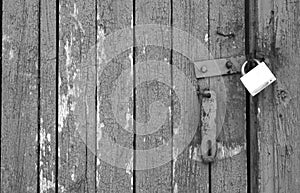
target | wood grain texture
x=48, y=96
x=114, y=96
x=19, y=96
x=227, y=39
x=278, y=106
x=190, y=174
x=76, y=37
x=153, y=94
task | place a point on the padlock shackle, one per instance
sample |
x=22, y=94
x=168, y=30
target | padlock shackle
x=244, y=65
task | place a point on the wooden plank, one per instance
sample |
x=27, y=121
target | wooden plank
x=190, y=17
x=48, y=96
x=226, y=39
x=114, y=110
x=278, y=106
x=19, y=96
x=153, y=101
x=76, y=109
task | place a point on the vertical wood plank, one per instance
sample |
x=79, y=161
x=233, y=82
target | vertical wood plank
x=76, y=97
x=48, y=96
x=114, y=90
x=227, y=39
x=19, y=96
x=153, y=97
x=190, y=17
x=278, y=106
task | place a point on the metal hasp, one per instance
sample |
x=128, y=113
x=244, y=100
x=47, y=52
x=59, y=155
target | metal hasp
x=218, y=67
x=209, y=126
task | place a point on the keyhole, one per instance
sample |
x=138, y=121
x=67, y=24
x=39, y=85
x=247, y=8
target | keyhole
x=209, y=144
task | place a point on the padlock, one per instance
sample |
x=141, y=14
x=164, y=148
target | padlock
x=258, y=78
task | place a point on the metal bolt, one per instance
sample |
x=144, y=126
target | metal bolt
x=203, y=69
x=229, y=64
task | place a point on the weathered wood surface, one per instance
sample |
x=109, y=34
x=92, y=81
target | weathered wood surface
x=48, y=97
x=19, y=96
x=76, y=162
x=153, y=96
x=114, y=91
x=190, y=174
x=227, y=39
x=279, y=105
x=92, y=87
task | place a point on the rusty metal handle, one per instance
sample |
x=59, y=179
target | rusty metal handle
x=209, y=127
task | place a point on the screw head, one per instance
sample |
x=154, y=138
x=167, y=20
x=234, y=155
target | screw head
x=229, y=64
x=203, y=69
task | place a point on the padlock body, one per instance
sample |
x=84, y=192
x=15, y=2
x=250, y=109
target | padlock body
x=258, y=78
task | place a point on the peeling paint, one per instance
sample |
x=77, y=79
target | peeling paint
x=131, y=62
x=129, y=122
x=175, y=153
x=99, y=133
x=176, y=188
x=74, y=15
x=229, y=152
x=46, y=185
x=129, y=166
x=63, y=111
x=191, y=152
x=101, y=57
x=196, y=154
x=129, y=170
x=206, y=38
x=11, y=54
x=64, y=107
x=132, y=21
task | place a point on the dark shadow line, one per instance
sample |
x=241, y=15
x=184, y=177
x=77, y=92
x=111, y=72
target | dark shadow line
x=251, y=103
x=209, y=51
x=172, y=103
x=57, y=97
x=134, y=97
x=39, y=98
x=96, y=92
x=1, y=7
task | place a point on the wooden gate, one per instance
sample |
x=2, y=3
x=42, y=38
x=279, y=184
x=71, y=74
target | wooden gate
x=75, y=74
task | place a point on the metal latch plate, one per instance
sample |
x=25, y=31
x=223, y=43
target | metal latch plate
x=218, y=67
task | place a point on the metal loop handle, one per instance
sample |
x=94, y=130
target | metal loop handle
x=244, y=65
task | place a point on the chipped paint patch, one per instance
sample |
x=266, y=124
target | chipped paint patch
x=129, y=166
x=99, y=133
x=129, y=170
x=191, y=152
x=101, y=56
x=175, y=153
x=68, y=50
x=131, y=21
x=129, y=121
x=75, y=16
x=64, y=106
x=63, y=111
x=176, y=188
x=46, y=184
x=206, y=38
x=196, y=154
x=11, y=54
x=131, y=62
x=229, y=152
